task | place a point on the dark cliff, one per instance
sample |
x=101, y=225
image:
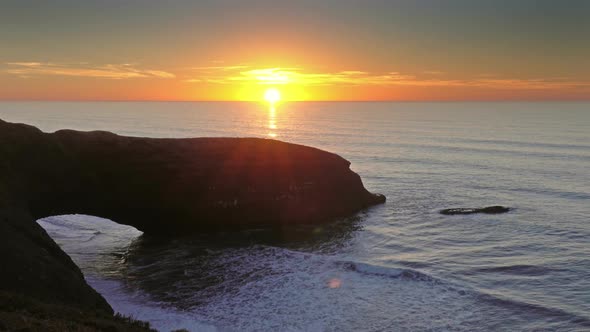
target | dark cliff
x=159, y=186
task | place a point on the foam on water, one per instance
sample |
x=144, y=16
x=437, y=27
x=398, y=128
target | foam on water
x=260, y=287
x=139, y=306
x=99, y=247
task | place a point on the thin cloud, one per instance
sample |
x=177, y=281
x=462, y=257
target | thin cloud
x=108, y=71
x=222, y=68
x=531, y=84
x=298, y=76
x=433, y=72
x=281, y=76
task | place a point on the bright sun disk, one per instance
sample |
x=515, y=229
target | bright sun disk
x=272, y=95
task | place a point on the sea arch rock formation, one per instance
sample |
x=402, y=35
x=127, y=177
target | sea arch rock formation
x=159, y=186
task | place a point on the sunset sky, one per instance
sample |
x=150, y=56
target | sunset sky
x=307, y=49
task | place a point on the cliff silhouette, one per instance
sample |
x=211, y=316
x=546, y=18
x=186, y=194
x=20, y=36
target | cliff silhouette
x=163, y=187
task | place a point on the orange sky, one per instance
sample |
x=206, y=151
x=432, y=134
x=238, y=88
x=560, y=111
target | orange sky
x=309, y=50
x=40, y=81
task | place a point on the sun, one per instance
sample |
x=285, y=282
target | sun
x=272, y=95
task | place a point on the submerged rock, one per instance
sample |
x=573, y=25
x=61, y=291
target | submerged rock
x=159, y=186
x=496, y=209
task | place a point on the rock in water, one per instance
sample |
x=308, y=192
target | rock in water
x=496, y=209
x=159, y=186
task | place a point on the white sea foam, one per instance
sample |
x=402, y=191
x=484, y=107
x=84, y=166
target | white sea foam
x=138, y=306
x=264, y=288
x=79, y=235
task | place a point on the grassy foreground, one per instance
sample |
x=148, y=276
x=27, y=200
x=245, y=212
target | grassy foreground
x=19, y=313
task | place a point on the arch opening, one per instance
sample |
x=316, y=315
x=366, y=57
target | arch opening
x=95, y=244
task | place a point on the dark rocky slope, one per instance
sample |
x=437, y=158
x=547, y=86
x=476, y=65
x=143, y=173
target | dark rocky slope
x=159, y=186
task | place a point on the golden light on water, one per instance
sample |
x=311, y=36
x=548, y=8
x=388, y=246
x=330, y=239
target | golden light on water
x=272, y=96
x=272, y=124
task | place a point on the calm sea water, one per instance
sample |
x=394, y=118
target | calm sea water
x=396, y=267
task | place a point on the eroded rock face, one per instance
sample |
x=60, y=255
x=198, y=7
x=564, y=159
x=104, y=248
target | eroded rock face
x=159, y=186
x=496, y=209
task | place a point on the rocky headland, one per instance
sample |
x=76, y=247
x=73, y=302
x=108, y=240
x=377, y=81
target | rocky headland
x=163, y=187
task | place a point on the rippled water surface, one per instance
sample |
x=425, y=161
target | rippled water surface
x=397, y=267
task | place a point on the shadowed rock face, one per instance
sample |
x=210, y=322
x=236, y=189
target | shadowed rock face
x=159, y=186
x=179, y=185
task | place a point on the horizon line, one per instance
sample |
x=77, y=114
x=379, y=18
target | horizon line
x=304, y=101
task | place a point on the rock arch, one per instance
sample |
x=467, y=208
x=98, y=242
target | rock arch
x=159, y=186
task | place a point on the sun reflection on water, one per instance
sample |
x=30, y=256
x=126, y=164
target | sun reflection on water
x=272, y=124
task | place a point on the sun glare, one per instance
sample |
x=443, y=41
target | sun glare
x=272, y=95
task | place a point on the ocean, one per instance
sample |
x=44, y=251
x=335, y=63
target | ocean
x=400, y=266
